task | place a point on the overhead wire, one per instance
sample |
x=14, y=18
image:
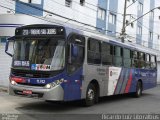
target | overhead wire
x=48, y=20
x=70, y=19
x=66, y=17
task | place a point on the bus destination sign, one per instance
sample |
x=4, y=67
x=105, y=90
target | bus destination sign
x=43, y=31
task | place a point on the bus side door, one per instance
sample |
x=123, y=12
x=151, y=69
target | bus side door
x=76, y=49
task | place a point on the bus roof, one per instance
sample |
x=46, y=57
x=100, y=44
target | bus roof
x=97, y=35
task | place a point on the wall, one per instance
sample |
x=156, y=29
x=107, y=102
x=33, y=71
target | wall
x=86, y=14
x=26, y=8
x=8, y=3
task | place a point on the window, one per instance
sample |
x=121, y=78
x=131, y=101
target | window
x=153, y=62
x=68, y=3
x=31, y=1
x=112, y=18
x=151, y=35
x=3, y=39
x=140, y=7
x=158, y=37
x=106, y=54
x=25, y=1
x=101, y=14
x=152, y=14
x=139, y=30
x=126, y=57
x=141, y=60
x=118, y=53
x=82, y=2
x=135, y=59
x=94, y=55
x=148, y=64
x=76, y=51
x=132, y=25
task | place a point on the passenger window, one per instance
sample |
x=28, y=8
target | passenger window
x=141, y=60
x=135, y=59
x=117, y=58
x=148, y=64
x=153, y=62
x=127, y=58
x=107, y=50
x=94, y=52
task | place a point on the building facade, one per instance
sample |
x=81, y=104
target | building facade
x=105, y=16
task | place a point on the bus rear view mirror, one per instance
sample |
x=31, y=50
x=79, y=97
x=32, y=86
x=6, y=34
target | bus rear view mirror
x=73, y=53
x=74, y=50
x=8, y=48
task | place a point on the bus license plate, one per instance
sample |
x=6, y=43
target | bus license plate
x=28, y=92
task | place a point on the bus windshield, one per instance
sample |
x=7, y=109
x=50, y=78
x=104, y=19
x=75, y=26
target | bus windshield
x=39, y=54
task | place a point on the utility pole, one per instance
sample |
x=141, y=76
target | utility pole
x=124, y=21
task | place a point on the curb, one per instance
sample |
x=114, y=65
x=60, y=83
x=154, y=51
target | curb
x=158, y=83
x=3, y=89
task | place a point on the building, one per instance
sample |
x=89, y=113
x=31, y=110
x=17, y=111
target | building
x=106, y=16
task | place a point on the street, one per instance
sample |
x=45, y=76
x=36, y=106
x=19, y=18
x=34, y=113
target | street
x=121, y=104
x=147, y=103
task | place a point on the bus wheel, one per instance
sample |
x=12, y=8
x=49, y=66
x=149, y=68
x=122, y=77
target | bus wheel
x=90, y=95
x=138, y=92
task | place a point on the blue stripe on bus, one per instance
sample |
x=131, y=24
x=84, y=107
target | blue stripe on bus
x=120, y=81
x=125, y=80
x=11, y=24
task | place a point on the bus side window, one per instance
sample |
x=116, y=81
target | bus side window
x=106, y=54
x=148, y=64
x=153, y=62
x=141, y=60
x=135, y=59
x=94, y=51
x=127, y=58
x=117, y=58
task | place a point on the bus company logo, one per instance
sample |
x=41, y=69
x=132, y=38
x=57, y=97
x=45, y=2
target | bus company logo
x=41, y=67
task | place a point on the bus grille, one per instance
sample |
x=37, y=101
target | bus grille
x=29, y=75
x=29, y=84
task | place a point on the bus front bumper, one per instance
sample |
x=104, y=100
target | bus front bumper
x=53, y=94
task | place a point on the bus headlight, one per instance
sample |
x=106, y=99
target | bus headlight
x=54, y=84
x=48, y=86
x=13, y=82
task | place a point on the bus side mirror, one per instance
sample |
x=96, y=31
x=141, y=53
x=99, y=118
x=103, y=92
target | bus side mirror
x=7, y=45
x=74, y=50
x=73, y=53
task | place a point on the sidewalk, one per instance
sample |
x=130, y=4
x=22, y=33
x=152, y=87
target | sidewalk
x=3, y=89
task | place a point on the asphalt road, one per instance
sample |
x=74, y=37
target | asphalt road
x=149, y=103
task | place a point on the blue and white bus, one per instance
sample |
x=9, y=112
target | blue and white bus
x=59, y=63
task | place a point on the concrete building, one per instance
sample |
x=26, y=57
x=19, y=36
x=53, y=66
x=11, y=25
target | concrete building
x=104, y=15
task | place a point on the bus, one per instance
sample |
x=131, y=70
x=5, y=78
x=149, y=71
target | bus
x=61, y=63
